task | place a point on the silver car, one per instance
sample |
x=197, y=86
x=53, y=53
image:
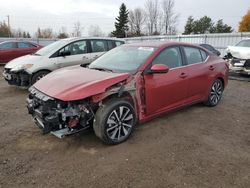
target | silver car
x=26, y=70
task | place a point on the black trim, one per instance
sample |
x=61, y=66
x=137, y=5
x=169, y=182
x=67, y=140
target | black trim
x=147, y=69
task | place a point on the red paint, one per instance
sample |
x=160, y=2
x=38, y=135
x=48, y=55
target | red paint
x=154, y=93
x=7, y=55
x=74, y=83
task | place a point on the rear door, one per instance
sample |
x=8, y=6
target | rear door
x=79, y=54
x=168, y=90
x=8, y=51
x=98, y=48
x=198, y=72
x=24, y=48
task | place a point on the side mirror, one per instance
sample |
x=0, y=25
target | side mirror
x=159, y=68
x=64, y=53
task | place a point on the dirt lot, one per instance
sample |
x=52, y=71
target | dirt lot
x=194, y=147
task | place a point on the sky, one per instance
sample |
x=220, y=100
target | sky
x=31, y=14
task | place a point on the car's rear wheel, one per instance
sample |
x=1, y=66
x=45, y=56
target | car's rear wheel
x=114, y=121
x=215, y=94
x=37, y=76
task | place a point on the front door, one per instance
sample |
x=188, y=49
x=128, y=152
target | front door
x=166, y=91
x=78, y=54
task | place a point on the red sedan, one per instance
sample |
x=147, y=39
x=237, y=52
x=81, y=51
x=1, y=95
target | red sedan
x=13, y=49
x=130, y=84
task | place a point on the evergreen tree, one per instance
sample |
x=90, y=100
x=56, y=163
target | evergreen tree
x=220, y=27
x=24, y=35
x=121, y=24
x=189, y=27
x=28, y=35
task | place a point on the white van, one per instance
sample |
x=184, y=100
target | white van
x=26, y=70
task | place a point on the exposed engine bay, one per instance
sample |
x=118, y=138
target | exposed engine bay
x=58, y=117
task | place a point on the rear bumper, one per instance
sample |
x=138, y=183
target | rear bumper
x=20, y=78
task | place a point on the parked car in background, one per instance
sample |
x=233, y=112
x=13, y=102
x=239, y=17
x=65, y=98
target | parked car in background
x=129, y=84
x=239, y=57
x=26, y=70
x=12, y=49
x=211, y=49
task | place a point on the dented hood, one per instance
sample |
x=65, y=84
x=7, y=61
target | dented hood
x=75, y=83
x=239, y=52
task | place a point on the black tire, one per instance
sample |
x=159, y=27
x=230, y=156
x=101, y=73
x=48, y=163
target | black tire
x=215, y=93
x=37, y=76
x=123, y=126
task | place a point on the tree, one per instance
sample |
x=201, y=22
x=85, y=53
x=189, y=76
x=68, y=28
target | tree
x=62, y=33
x=203, y=25
x=95, y=31
x=189, y=27
x=44, y=33
x=169, y=16
x=220, y=27
x=136, y=21
x=28, y=35
x=77, y=30
x=152, y=15
x=121, y=24
x=4, y=29
x=206, y=25
x=245, y=23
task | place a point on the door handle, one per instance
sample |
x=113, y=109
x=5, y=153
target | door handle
x=84, y=57
x=211, y=67
x=183, y=75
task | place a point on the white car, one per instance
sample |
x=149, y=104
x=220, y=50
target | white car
x=239, y=57
x=26, y=70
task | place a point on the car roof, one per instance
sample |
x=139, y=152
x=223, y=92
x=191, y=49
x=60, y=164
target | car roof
x=158, y=44
x=82, y=38
x=17, y=41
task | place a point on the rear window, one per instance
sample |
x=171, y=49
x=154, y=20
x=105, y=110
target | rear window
x=99, y=45
x=193, y=55
x=25, y=45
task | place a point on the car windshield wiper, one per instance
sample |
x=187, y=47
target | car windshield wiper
x=102, y=69
x=37, y=54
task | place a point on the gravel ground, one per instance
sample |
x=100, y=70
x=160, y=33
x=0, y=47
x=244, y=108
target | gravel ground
x=194, y=147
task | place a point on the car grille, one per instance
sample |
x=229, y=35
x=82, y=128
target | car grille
x=247, y=64
x=7, y=70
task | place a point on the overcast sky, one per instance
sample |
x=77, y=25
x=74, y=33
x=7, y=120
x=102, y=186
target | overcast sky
x=29, y=14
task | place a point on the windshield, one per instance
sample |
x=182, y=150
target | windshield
x=123, y=59
x=244, y=43
x=51, y=48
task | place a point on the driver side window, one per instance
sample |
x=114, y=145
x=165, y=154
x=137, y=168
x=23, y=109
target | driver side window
x=170, y=57
x=75, y=48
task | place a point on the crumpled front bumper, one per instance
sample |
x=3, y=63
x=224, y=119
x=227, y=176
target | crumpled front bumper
x=20, y=78
x=239, y=66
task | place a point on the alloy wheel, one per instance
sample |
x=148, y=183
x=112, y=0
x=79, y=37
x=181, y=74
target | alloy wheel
x=216, y=92
x=120, y=123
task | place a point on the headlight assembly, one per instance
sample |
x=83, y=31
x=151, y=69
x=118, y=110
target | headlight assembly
x=21, y=67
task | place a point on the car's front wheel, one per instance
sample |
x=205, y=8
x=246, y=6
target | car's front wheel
x=37, y=76
x=114, y=121
x=215, y=94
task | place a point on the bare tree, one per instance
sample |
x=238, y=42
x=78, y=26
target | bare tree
x=44, y=33
x=152, y=14
x=77, y=30
x=169, y=16
x=95, y=31
x=136, y=20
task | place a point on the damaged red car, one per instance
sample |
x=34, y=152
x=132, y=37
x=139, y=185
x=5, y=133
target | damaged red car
x=128, y=85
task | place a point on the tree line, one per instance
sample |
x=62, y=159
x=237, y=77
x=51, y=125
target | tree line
x=156, y=17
